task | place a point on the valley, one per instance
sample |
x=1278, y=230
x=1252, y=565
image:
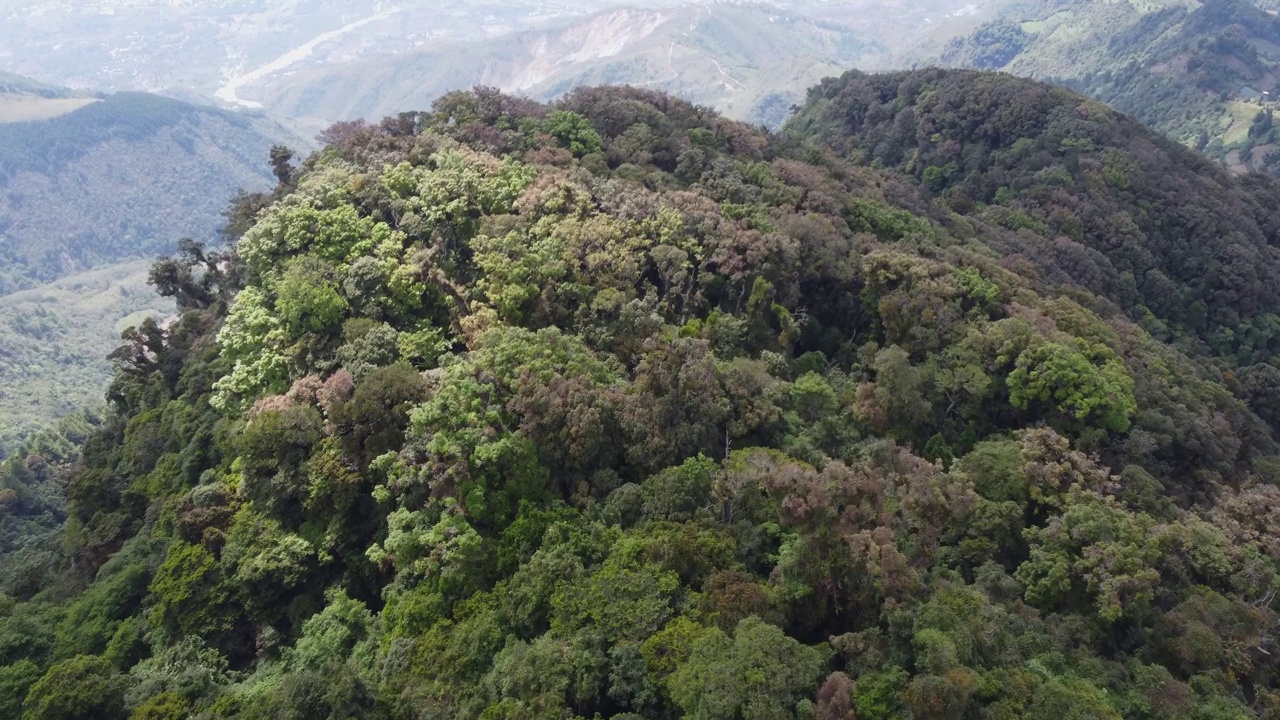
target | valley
x=229, y=91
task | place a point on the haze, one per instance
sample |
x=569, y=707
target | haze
x=295, y=58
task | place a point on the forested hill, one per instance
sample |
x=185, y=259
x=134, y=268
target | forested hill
x=86, y=181
x=1095, y=200
x=618, y=409
x=1202, y=73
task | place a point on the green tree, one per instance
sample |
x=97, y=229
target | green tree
x=1094, y=547
x=1070, y=698
x=82, y=687
x=192, y=596
x=15, y=681
x=307, y=297
x=573, y=132
x=1082, y=383
x=758, y=674
x=165, y=706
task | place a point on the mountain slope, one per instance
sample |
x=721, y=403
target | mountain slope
x=55, y=339
x=748, y=60
x=1197, y=72
x=123, y=177
x=616, y=408
x=1180, y=244
x=88, y=186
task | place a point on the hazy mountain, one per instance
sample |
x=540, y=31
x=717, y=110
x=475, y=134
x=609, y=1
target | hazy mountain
x=305, y=54
x=199, y=45
x=749, y=61
x=1199, y=72
x=89, y=180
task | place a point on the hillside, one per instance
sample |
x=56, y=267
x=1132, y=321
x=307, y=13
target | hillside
x=90, y=187
x=54, y=343
x=749, y=61
x=122, y=177
x=616, y=408
x=1202, y=73
x=1179, y=244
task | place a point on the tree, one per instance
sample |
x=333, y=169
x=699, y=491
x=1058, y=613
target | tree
x=281, y=156
x=1097, y=549
x=758, y=674
x=897, y=402
x=573, y=132
x=373, y=420
x=1260, y=387
x=81, y=687
x=835, y=698
x=1082, y=384
x=1070, y=698
x=192, y=596
x=15, y=681
x=677, y=387
x=307, y=298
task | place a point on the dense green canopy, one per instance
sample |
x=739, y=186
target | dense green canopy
x=619, y=409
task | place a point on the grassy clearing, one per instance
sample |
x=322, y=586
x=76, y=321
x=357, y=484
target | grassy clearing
x=1239, y=117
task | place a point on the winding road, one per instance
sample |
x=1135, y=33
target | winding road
x=229, y=92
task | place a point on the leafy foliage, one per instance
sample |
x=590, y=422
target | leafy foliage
x=510, y=411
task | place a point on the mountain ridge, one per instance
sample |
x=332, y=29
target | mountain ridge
x=172, y=163
x=1098, y=173
x=692, y=51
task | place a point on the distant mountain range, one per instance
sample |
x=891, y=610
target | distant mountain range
x=338, y=60
x=750, y=61
x=1201, y=72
